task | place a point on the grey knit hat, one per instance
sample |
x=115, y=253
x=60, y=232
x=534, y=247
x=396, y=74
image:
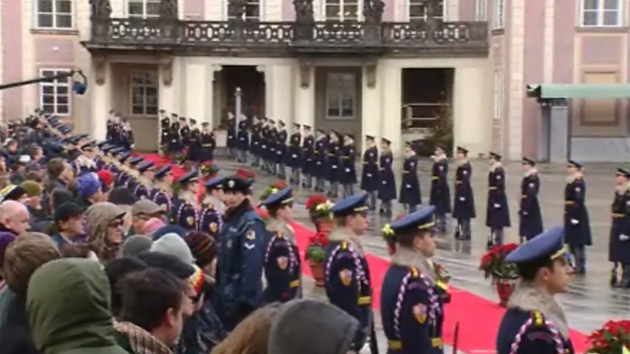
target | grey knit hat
x=135, y=245
x=311, y=327
x=174, y=245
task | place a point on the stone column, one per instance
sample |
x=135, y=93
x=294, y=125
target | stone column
x=391, y=107
x=281, y=79
x=304, y=98
x=197, y=90
x=472, y=118
x=210, y=97
x=166, y=70
x=559, y=129
x=370, y=102
x=100, y=85
x=266, y=72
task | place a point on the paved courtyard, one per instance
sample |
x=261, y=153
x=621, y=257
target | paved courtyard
x=590, y=301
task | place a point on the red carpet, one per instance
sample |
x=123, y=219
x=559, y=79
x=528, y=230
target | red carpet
x=478, y=318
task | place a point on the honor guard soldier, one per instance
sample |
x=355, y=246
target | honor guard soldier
x=576, y=221
x=369, y=173
x=175, y=146
x=281, y=149
x=464, y=200
x=145, y=180
x=242, y=139
x=162, y=192
x=264, y=144
x=272, y=144
x=132, y=181
x=531, y=223
x=321, y=157
x=534, y=322
x=184, y=133
x=498, y=212
x=281, y=260
x=412, y=309
x=240, y=257
x=232, y=142
x=127, y=139
x=255, y=147
x=346, y=273
x=193, y=147
x=347, y=165
x=308, y=151
x=387, y=185
x=210, y=216
x=619, y=244
x=332, y=163
x=440, y=192
x=410, y=195
x=111, y=127
x=295, y=154
x=207, y=143
x=122, y=178
x=185, y=212
x=165, y=125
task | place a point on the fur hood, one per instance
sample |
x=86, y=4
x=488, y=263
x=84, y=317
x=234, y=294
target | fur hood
x=341, y=234
x=527, y=298
x=532, y=171
x=495, y=165
x=573, y=177
x=277, y=225
x=407, y=257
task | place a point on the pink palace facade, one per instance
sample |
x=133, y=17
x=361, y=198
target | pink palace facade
x=542, y=78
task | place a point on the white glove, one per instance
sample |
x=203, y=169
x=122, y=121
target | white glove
x=347, y=170
x=408, y=186
x=624, y=238
x=524, y=213
x=368, y=174
x=574, y=222
x=462, y=199
x=133, y=146
x=497, y=206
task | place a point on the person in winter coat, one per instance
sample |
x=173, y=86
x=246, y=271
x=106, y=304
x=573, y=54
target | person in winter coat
x=252, y=334
x=68, y=308
x=23, y=257
x=104, y=229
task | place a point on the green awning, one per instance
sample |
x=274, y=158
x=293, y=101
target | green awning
x=551, y=91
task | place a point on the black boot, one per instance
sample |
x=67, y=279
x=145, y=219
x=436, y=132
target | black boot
x=613, y=277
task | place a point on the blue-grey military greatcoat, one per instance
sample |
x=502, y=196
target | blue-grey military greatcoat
x=464, y=200
x=387, y=183
x=440, y=191
x=619, y=246
x=410, y=184
x=498, y=212
x=369, y=174
x=576, y=220
x=531, y=217
x=347, y=167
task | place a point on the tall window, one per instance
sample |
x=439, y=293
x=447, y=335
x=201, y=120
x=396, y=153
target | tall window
x=54, y=14
x=601, y=13
x=144, y=92
x=54, y=96
x=250, y=13
x=340, y=95
x=481, y=10
x=419, y=10
x=143, y=8
x=342, y=10
x=498, y=94
x=498, y=20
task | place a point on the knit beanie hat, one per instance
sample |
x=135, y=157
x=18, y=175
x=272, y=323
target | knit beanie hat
x=311, y=327
x=106, y=179
x=135, y=245
x=168, y=229
x=172, y=244
x=202, y=246
x=32, y=188
x=88, y=185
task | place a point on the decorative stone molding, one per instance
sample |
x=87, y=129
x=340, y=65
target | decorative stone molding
x=371, y=69
x=166, y=67
x=305, y=73
x=215, y=68
x=100, y=69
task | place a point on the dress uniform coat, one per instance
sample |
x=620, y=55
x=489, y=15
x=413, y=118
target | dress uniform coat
x=207, y=144
x=185, y=214
x=440, y=192
x=239, y=265
x=254, y=146
x=242, y=136
x=294, y=159
x=531, y=218
x=162, y=197
x=281, y=146
x=281, y=264
x=209, y=220
x=272, y=137
x=308, y=149
x=321, y=157
x=619, y=250
x=193, y=147
x=165, y=124
x=387, y=185
x=175, y=145
x=369, y=174
x=576, y=220
x=141, y=191
x=464, y=201
x=410, y=193
x=498, y=212
x=332, y=165
x=347, y=282
x=411, y=309
x=533, y=325
x=347, y=166
x=231, y=134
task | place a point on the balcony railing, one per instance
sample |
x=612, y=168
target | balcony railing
x=356, y=36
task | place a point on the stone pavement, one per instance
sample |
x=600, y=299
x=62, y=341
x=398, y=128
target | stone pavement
x=590, y=301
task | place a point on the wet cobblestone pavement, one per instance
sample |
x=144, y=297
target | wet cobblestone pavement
x=590, y=301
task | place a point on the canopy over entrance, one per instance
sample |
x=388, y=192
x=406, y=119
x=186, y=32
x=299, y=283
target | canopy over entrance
x=568, y=91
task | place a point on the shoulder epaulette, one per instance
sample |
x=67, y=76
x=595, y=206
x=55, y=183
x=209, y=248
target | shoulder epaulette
x=414, y=272
x=538, y=319
x=279, y=234
x=344, y=245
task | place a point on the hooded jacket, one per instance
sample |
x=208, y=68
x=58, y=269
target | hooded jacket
x=68, y=308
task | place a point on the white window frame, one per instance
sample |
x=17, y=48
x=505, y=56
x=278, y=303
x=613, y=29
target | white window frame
x=132, y=85
x=410, y=3
x=55, y=85
x=498, y=94
x=498, y=17
x=144, y=14
x=481, y=10
x=341, y=96
x=54, y=15
x=261, y=10
x=343, y=16
x=600, y=11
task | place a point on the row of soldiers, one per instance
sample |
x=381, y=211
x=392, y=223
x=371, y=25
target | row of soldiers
x=182, y=139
